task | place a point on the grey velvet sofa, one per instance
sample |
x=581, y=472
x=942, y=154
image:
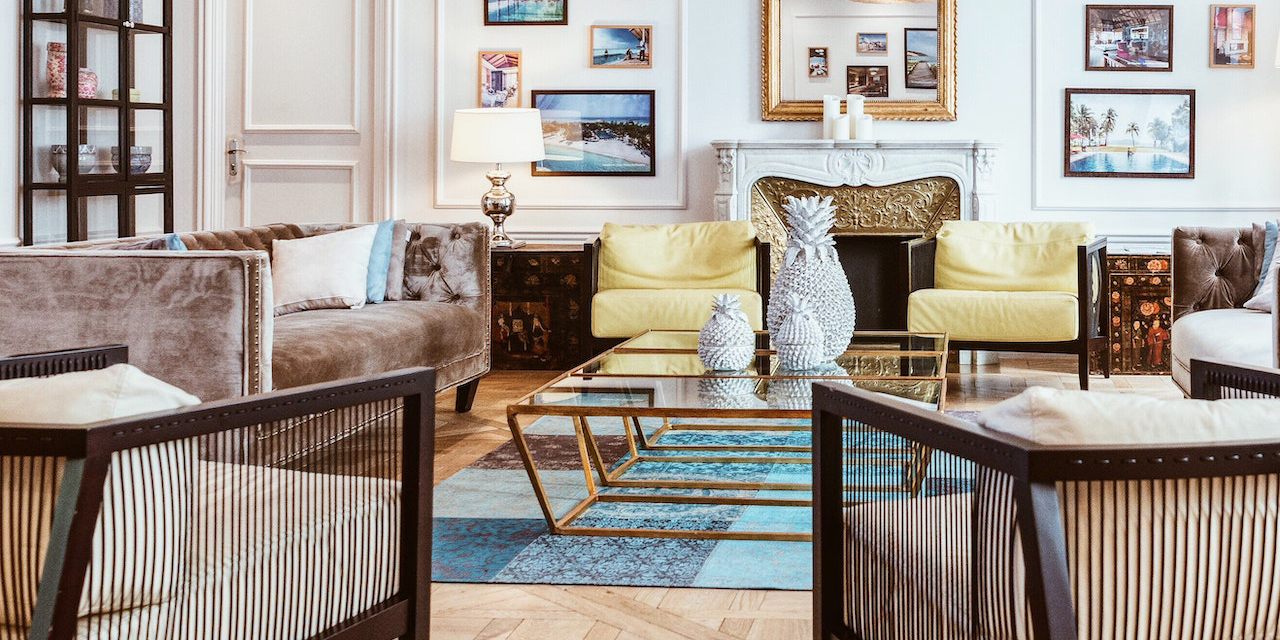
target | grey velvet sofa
x=1215, y=270
x=202, y=319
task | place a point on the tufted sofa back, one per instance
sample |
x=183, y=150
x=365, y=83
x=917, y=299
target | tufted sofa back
x=1214, y=267
x=442, y=263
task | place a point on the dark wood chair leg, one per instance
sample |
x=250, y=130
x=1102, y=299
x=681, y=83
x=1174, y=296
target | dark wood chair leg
x=1082, y=360
x=466, y=396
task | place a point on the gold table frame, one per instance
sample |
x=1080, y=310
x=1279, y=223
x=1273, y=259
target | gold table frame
x=597, y=472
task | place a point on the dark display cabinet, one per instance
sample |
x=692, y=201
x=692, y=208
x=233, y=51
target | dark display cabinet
x=97, y=99
x=539, y=311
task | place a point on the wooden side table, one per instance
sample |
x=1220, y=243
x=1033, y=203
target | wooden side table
x=1141, y=299
x=539, y=309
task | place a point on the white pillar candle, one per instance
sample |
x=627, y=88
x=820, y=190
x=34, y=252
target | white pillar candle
x=864, y=128
x=840, y=127
x=854, y=105
x=830, y=109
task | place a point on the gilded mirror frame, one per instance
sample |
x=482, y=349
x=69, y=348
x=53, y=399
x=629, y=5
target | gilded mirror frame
x=774, y=108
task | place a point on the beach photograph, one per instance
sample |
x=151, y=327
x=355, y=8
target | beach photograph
x=526, y=12
x=603, y=132
x=922, y=58
x=1130, y=133
x=621, y=47
x=873, y=43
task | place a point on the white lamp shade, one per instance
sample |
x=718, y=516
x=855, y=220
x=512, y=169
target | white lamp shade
x=497, y=134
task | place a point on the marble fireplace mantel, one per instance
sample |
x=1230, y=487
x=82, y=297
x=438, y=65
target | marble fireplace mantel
x=875, y=163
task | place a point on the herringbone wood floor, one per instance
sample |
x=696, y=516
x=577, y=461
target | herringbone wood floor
x=545, y=612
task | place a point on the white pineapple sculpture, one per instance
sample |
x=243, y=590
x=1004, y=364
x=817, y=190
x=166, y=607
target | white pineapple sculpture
x=726, y=342
x=811, y=269
x=799, y=339
x=717, y=391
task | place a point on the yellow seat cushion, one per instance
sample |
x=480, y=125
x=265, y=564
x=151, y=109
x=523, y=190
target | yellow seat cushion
x=699, y=255
x=1021, y=256
x=623, y=313
x=995, y=316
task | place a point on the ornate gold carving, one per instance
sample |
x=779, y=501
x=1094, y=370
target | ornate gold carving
x=916, y=207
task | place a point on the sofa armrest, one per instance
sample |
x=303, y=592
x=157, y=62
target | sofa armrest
x=917, y=259
x=200, y=320
x=1213, y=268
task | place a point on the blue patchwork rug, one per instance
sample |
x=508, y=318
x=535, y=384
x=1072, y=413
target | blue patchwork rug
x=488, y=526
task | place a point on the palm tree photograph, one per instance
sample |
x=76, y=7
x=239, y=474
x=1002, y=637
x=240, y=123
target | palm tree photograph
x=1129, y=133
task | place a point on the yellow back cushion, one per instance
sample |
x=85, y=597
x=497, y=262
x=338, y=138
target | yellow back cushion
x=1019, y=256
x=697, y=255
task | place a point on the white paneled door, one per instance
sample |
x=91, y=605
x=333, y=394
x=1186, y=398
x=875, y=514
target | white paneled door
x=302, y=111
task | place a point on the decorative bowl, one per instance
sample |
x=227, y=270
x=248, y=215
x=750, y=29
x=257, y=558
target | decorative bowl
x=86, y=159
x=139, y=159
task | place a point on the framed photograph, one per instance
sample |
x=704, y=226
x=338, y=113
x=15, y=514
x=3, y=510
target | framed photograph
x=499, y=78
x=498, y=12
x=1231, y=36
x=621, y=47
x=605, y=132
x=1128, y=37
x=1130, y=133
x=872, y=82
x=873, y=44
x=817, y=62
x=921, y=57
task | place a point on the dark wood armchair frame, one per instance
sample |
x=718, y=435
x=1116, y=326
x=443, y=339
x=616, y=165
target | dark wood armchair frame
x=918, y=261
x=598, y=345
x=1035, y=469
x=88, y=450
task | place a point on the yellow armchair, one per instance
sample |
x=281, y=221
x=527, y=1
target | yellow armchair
x=665, y=276
x=1012, y=287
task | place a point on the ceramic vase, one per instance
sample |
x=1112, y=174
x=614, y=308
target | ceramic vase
x=88, y=84
x=811, y=270
x=726, y=342
x=56, y=69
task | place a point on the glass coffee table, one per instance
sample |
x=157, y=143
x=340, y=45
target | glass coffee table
x=642, y=440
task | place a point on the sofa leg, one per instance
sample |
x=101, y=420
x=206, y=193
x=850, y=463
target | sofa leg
x=466, y=396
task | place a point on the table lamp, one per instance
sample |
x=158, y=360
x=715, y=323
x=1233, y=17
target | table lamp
x=497, y=135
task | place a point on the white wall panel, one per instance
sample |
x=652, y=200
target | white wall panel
x=302, y=76
x=298, y=192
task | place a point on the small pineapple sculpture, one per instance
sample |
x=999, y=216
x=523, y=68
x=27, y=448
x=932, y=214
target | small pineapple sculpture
x=811, y=269
x=799, y=339
x=720, y=391
x=726, y=342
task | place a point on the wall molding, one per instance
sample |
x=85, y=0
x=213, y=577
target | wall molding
x=680, y=199
x=10, y=242
x=246, y=206
x=247, y=120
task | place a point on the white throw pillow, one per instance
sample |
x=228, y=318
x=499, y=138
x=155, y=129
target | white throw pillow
x=146, y=499
x=1266, y=295
x=328, y=271
x=1064, y=417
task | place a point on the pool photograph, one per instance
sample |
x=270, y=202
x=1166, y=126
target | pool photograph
x=526, y=12
x=605, y=132
x=621, y=47
x=1129, y=133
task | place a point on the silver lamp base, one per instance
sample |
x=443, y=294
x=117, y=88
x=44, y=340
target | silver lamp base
x=499, y=204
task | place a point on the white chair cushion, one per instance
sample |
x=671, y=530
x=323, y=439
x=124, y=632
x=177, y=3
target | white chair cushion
x=1234, y=335
x=1069, y=417
x=141, y=527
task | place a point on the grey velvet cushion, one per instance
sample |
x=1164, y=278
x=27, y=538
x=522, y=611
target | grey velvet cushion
x=328, y=344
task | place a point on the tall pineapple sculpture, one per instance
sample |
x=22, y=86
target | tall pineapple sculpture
x=811, y=270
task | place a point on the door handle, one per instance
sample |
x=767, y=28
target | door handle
x=233, y=149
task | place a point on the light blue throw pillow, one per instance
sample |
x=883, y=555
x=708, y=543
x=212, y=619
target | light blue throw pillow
x=1268, y=253
x=379, y=262
x=173, y=243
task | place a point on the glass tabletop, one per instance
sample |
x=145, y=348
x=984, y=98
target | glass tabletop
x=661, y=370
